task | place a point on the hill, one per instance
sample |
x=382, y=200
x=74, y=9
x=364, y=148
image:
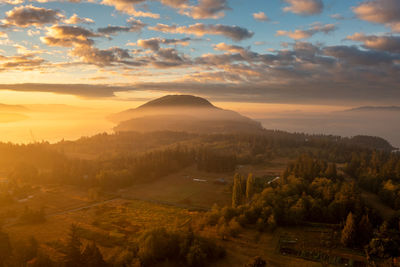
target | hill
x=183, y=113
x=371, y=142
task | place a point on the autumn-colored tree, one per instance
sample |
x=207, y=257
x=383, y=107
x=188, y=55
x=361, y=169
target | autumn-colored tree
x=349, y=231
x=271, y=222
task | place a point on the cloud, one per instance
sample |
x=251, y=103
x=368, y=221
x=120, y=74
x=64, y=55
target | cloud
x=154, y=43
x=75, y=19
x=205, y=9
x=25, y=62
x=68, y=36
x=228, y=48
x=304, y=34
x=304, y=7
x=337, y=16
x=260, y=16
x=32, y=32
x=13, y=2
x=354, y=56
x=208, y=9
x=169, y=57
x=302, y=73
x=385, y=12
x=382, y=43
x=103, y=57
x=134, y=26
x=235, y=33
x=128, y=7
x=83, y=90
x=80, y=40
x=25, y=16
x=110, y=30
x=174, y=3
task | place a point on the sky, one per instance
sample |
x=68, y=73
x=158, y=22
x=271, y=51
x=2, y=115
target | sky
x=304, y=52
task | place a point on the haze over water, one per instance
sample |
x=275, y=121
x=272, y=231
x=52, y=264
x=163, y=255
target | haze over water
x=57, y=122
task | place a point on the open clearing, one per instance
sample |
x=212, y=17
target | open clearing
x=181, y=189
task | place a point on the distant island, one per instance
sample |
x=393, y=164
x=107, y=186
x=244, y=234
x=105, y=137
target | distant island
x=375, y=108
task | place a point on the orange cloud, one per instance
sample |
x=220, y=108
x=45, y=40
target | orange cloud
x=383, y=43
x=304, y=7
x=380, y=11
x=260, y=16
x=304, y=34
x=25, y=16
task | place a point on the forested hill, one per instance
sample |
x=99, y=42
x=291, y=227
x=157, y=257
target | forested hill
x=372, y=142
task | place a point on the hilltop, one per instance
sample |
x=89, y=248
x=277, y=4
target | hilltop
x=178, y=101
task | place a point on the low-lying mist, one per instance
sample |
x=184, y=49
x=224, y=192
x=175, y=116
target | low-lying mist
x=33, y=123
x=52, y=123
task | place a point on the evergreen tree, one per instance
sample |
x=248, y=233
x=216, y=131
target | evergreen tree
x=331, y=171
x=237, y=191
x=365, y=230
x=41, y=260
x=250, y=187
x=5, y=248
x=73, y=256
x=92, y=256
x=398, y=170
x=285, y=174
x=349, y=231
